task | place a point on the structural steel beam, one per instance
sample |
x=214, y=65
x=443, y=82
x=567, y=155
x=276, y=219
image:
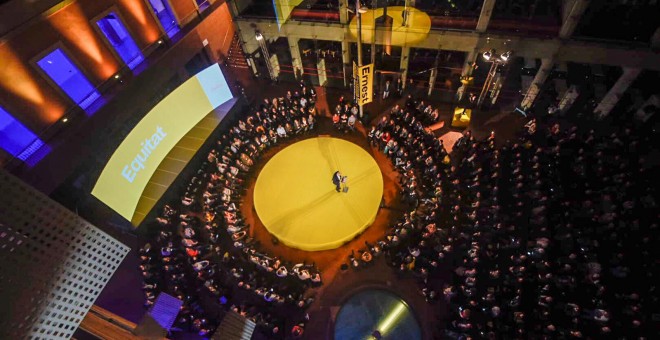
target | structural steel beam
x=485, y=15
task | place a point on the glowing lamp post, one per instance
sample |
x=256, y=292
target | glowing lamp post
x=495, y=60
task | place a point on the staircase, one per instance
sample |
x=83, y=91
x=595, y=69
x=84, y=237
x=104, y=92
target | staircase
x=235, y=56
x=234, y=327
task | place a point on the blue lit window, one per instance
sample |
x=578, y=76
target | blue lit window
x=202, y=4
x=18, y=140
x=69, y=78
x=165, y=16
x=120, y=40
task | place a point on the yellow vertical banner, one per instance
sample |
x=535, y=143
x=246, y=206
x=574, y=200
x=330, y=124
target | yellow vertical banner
x=365, y=84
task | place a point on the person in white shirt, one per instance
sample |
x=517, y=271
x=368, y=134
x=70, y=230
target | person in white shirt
x=304, y=275
x=281, y=132
x=351, y=122
x=198, y=266
x=282, y=272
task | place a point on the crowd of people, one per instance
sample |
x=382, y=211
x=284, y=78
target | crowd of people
x=346, y=115
x=200, y=250
x=549, y=236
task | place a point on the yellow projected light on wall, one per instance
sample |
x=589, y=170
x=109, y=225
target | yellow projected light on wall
x=134, y=162
x=415, y=28
x=283, y=9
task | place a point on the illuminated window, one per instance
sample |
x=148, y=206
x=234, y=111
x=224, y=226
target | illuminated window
x=121, y=41
x=69, y=78
x=17, y=139
x=165, y=15
x=202, y=4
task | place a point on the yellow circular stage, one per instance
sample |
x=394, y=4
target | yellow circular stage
x=297, y=202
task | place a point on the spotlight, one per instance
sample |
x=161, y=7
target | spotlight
x=259, y=36
x=506, y=55
x=64, y=120
x=488, y=55
x=160, y=42
x=116, y=76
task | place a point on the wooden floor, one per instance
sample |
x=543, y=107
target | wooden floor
x=339, y=285
x=329, y=260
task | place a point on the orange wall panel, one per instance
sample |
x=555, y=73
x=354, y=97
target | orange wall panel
x=219, y=30
x=183, y=9
x=30, y=97
x=140, y=21
x=84, y=43
x=25, y=94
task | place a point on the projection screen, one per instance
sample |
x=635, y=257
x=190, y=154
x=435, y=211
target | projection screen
x=133, y=163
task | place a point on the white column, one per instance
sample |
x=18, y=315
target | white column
x=250, y=47
x=434, y=75
x=345, y=45
x=484, y=17
x=405, y=59
x=467, y=71
x=568, y=99
x=236, y=7
x=572, y=14
x=655, y=40
x=296, y=60
x=616, y=92
x=470, y=59
x=497, y=87
x=374, y=24
x=539, y=79
x=343, y=12
x=346, y=60
x=250, y=44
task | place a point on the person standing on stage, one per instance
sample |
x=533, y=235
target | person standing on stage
x=344, y=183
x=336, y=180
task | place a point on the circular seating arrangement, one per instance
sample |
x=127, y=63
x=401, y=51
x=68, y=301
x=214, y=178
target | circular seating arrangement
x=296, y=200
x=547, y=236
